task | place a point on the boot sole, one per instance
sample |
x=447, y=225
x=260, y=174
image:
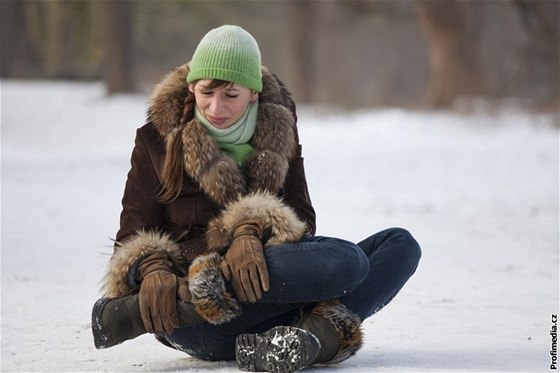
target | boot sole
x=101, y=338
x=282, y=349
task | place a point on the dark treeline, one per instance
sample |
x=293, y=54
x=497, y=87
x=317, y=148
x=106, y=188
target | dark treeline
x=352, y=53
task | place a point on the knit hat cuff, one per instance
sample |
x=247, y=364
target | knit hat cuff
x=227, y=75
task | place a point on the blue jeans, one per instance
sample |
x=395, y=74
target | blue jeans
x=364, y=276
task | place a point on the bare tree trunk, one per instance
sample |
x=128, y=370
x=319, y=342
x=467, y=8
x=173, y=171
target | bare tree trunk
x=452, y=30
x=301, y=50
x=58, y=39
x=118, y=41
x=331, y=62
x=327, y=54
x=540, y=19
x=9, y=40
x=19, y=54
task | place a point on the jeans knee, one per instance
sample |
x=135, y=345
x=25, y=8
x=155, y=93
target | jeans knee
x=409, y=247
x=351, y=262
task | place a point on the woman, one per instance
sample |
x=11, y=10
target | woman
x=216, y=253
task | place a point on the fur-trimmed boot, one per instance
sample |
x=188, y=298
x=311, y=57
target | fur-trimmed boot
x=117, y=320
x=336, y=327
x=328, y=334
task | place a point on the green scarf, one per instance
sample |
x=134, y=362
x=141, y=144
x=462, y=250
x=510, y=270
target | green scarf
x=234, y=140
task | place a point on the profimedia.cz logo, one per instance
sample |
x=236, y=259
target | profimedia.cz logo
x=554, y=342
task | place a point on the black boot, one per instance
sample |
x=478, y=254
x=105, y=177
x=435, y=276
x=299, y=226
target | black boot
x=328, y=334
x=282, y=349
x=115, y=320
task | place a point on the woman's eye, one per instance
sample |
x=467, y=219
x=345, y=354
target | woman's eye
x=231, y=96
x=207, y=93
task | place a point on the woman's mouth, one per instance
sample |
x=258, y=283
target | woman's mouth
x=217, y=121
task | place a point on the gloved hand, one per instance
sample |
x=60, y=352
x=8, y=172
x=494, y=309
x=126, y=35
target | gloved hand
x=244, y=263
x=158, y=293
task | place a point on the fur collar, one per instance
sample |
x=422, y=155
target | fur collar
x=274, y=141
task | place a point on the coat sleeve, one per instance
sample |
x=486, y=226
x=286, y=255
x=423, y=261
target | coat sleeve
x=140, y=223
x=296, y=193
x=141, y=209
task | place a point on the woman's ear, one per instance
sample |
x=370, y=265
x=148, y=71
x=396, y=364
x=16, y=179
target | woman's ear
x=191, y=87
x=255, y=96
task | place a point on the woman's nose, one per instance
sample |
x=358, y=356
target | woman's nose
x=215, y=105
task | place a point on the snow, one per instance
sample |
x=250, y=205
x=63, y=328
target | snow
x=478, y=191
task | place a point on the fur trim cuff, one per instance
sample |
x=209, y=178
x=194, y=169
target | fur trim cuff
x=347, y=325
x=273, y=214
x=210, y=298
x=116, y=282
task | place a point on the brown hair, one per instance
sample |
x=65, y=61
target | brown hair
x=173, y=168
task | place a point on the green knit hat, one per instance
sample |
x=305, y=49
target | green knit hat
x=228, y=53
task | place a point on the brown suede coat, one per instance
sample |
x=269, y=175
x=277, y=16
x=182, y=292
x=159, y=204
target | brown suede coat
x=211, y=181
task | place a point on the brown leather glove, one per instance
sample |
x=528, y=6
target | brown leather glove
x=244, y=263
x=158, y=293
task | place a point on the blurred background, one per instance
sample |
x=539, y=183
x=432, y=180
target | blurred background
x=415, y=54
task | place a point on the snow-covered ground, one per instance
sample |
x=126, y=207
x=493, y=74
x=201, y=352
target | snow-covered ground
x=479, y=192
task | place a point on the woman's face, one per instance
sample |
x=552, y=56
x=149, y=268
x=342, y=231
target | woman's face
x=222, y=106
